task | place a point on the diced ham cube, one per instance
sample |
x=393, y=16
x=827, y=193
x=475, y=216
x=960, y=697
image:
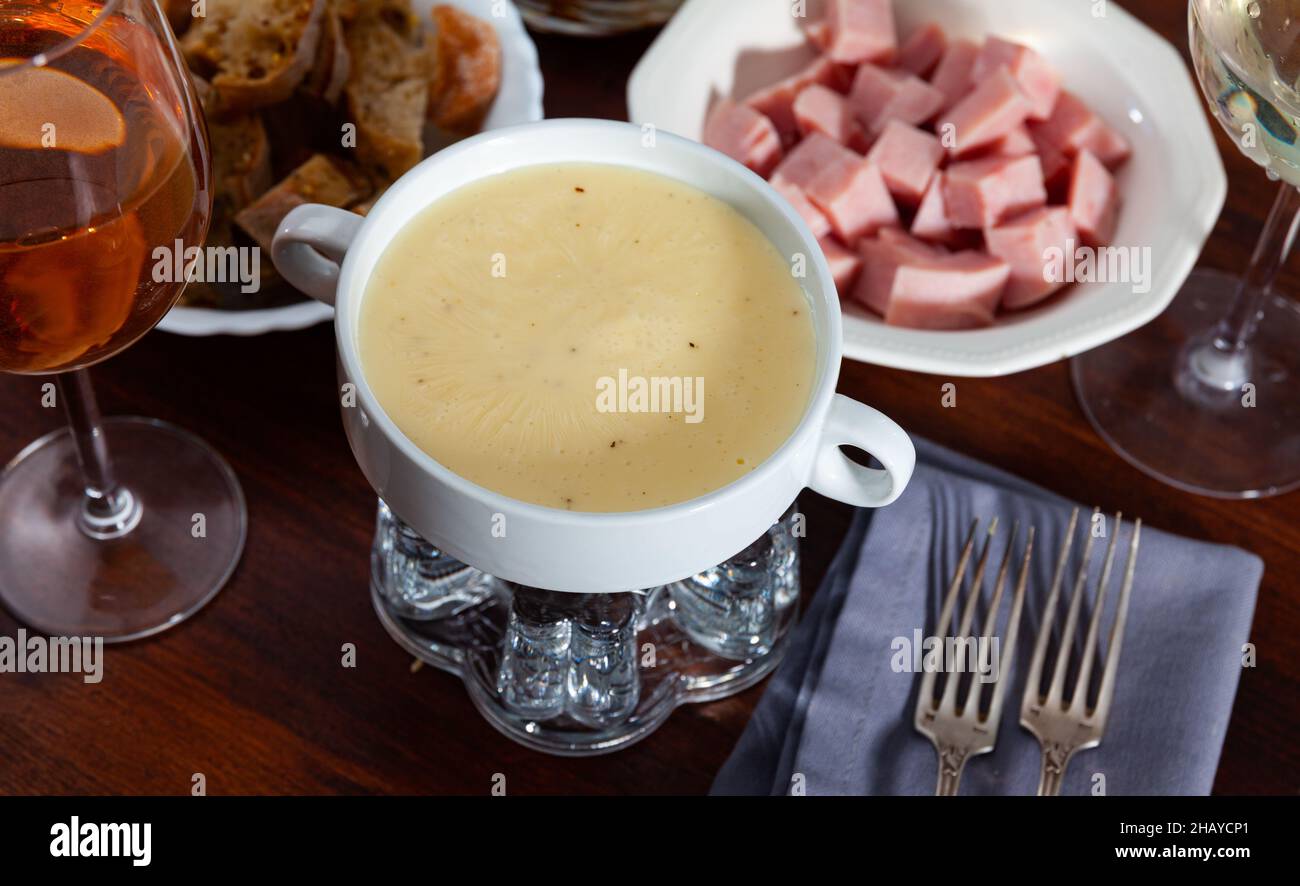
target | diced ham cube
x=816, y=219
x=931, y=221
x=1038, y=80
x=777, y=101
x=1056, y=167
x=845, y=265
x=982, y=193
x=812, y=155
x=818, y=34
x=852, y=194
x=1023, y=243
x=1016, y=143
x=908, y=159
x=880, y=95
x=1073, y=127
x=861, y=31
x=925, y=289
x=745, y=135
x=905, y=241
x=821, y=109
x=1094, y=200
x=923, y=50
x=953, y=76
x=994, y=109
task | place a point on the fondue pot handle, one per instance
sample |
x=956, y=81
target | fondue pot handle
x=836, y=476
x=309, y=248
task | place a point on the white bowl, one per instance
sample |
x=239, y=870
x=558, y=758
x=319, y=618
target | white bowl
x=520, y=101
x=1174, y=186
x=332, y=254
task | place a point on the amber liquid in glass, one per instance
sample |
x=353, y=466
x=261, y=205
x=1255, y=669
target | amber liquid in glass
x=96, y=175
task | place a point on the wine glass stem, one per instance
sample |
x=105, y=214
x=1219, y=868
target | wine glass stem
x=1221, y=360
x=1271, y=253
x=108, y=510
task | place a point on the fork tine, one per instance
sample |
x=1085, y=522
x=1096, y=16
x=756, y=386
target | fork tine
x=991, y=617
x=1034, y=680
x=1079, y=700
x=926, y=699
x=1057, y=690
x=972, y=704
x=949, y=700
x=1107, y=691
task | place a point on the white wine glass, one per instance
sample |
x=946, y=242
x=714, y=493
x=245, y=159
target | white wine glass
x=1207, y=397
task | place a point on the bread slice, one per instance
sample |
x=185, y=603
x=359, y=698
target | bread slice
x=321, y=179
x=241, y=161
x=333, y=61
x=465, y=61
x=388, y=90
x=254, y=52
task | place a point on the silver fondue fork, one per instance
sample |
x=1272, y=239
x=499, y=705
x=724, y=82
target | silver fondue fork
x=960, y=732
x=1063, y=729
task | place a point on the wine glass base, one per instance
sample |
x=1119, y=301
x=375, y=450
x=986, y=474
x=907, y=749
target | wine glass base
x=57, y=579
x=1222, y=437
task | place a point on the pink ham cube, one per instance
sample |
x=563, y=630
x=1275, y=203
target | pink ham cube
x=845, y=265
x=816, y=220
x=1027, y=244
x=1016, y=143
x=840, y=184
x=953, y=76
x=982, y=193
x=861, y=31
x=908, y=159
x=880, y=95
x=852, y=194
x=1038, y=80
x=931, y=221
x=821, y=109
x=818, y=34
x=777, y=101
x=1094, y=200
x=812, y=155
x=924, y=288
x=923, y=50
x=744, y=135
x=994, y=109
x=1073, y=127
x=1056, y=167
x=905, y=241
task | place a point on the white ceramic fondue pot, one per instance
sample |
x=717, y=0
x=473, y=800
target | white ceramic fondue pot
x=330, y=254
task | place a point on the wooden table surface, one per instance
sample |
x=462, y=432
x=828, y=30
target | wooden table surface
x=251, y=693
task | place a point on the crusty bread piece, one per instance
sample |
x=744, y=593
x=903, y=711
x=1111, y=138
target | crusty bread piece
x=388, y=91
x=255, y=52
x=321, y=179
x=241, y=161
x=333, y=62
x=465, y=61
x=397, y=14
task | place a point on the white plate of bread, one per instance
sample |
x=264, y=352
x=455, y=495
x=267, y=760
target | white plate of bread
x=330, y=101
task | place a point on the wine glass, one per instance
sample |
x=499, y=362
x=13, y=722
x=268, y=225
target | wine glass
x=105, y=178
x=1207, y=397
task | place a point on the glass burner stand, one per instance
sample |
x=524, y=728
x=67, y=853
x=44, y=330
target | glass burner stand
x=586, y=674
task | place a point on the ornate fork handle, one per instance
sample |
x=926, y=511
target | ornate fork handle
x=952, y=760
x=1056, y=757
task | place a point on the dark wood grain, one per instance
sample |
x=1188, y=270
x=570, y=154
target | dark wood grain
x=251, y=692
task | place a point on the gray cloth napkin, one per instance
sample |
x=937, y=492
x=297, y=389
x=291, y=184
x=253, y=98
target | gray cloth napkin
x=838, y=714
